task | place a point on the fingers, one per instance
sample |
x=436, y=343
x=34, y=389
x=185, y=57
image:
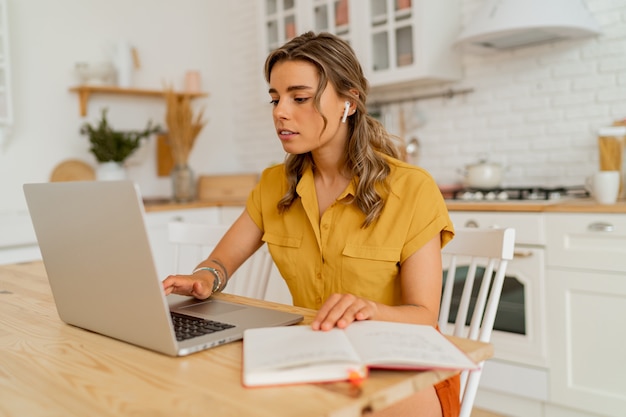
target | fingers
x=323, y=312
x=340, y=310
x=190, y=285
x=200, y=290
x=169, y=284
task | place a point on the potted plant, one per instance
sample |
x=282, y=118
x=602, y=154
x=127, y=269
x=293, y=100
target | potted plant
x=112, y=147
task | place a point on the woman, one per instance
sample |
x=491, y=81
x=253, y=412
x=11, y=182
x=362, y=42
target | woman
x=355, y=232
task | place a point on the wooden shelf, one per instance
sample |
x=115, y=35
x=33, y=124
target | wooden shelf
x=85, y=91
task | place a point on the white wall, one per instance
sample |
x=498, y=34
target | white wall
x=47, y=38
x=535, y=109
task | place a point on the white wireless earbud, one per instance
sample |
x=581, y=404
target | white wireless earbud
x=345, y=112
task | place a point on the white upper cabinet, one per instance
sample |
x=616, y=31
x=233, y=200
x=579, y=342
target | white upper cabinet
x=281, y=21
x=409, y=42
x=399, y=42
x=284, y=19
x=333, y=16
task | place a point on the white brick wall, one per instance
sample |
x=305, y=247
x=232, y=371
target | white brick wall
x=536, y=109
x=254, y=132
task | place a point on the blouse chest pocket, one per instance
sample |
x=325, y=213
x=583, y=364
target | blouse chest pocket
x=284, y=251
x=370, y=271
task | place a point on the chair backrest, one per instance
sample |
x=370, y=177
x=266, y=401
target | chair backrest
x=193, y=242
x=475, y=249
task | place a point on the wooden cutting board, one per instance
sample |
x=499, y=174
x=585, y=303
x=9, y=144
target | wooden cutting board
x=73, y=170
x=165, y=162
x=226, y=188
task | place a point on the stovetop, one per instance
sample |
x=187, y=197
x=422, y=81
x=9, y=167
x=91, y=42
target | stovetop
x=525, y=193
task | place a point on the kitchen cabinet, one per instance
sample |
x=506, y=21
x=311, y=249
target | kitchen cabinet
x=409, y=42
x=399, y=42
x=519, y=367
x=277, y=289
x=586, y=288
x=281, y=21
x=19, y=254
x=18, y=242
x=584, y=306
x=156, y=225
x=85, y=91
x=284, y=19
x=163, y=252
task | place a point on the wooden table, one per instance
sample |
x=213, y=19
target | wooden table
x=48, y=368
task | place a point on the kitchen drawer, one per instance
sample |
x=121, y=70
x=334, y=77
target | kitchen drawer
x=17, y=229
x=157, y=227
x=529, y=227
x=229, y=214
x=208, y=215
x=587, y=241
x=19, y=254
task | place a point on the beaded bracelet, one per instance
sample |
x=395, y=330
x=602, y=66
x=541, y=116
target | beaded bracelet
x=217, y=282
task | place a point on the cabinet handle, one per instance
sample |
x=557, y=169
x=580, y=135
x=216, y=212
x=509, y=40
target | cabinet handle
x=471, y=223
x=522, y=253
x=600, y=227
x=177, y=218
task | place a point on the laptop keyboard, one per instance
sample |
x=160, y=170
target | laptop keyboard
x=187, y=327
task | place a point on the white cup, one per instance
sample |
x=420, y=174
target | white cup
x=604, y=186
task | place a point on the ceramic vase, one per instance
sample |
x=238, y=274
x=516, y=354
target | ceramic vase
x=110, y=171
x=124, y=64
x=183, y=184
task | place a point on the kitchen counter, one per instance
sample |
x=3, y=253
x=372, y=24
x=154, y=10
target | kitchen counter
x=578, y=205
x=162, y=204
x=230, y=190
x=587, y=205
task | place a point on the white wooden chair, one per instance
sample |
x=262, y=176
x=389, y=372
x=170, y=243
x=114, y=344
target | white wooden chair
x=193, y=242
x=474, y=247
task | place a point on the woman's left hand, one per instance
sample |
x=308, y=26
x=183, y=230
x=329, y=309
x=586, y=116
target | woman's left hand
x=340, y=310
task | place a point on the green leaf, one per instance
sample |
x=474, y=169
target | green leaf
x=108, y=144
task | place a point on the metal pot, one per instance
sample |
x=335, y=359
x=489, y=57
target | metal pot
x=483, y=175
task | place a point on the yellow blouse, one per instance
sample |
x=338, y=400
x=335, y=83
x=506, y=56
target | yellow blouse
x=334, y=254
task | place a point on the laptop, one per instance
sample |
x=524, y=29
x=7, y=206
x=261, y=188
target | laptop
x=98, y=259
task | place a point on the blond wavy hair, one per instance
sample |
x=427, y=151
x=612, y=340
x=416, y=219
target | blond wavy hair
x=338, y=65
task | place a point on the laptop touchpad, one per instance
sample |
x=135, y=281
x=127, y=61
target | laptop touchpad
x=211, y=308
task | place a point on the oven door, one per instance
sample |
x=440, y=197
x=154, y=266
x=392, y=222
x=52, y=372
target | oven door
x=519, y=333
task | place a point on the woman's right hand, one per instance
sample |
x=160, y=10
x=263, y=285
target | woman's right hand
x=238, y=244
x=199, y=285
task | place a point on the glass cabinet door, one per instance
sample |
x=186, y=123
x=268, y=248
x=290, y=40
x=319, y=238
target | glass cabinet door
x=399, y=42
x=391, y=28
x=285, y=19
x=281, y=23
x=332, y=16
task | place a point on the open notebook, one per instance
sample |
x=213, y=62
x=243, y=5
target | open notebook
x=97, y=255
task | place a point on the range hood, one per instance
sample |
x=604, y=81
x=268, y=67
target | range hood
x=507, y=24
